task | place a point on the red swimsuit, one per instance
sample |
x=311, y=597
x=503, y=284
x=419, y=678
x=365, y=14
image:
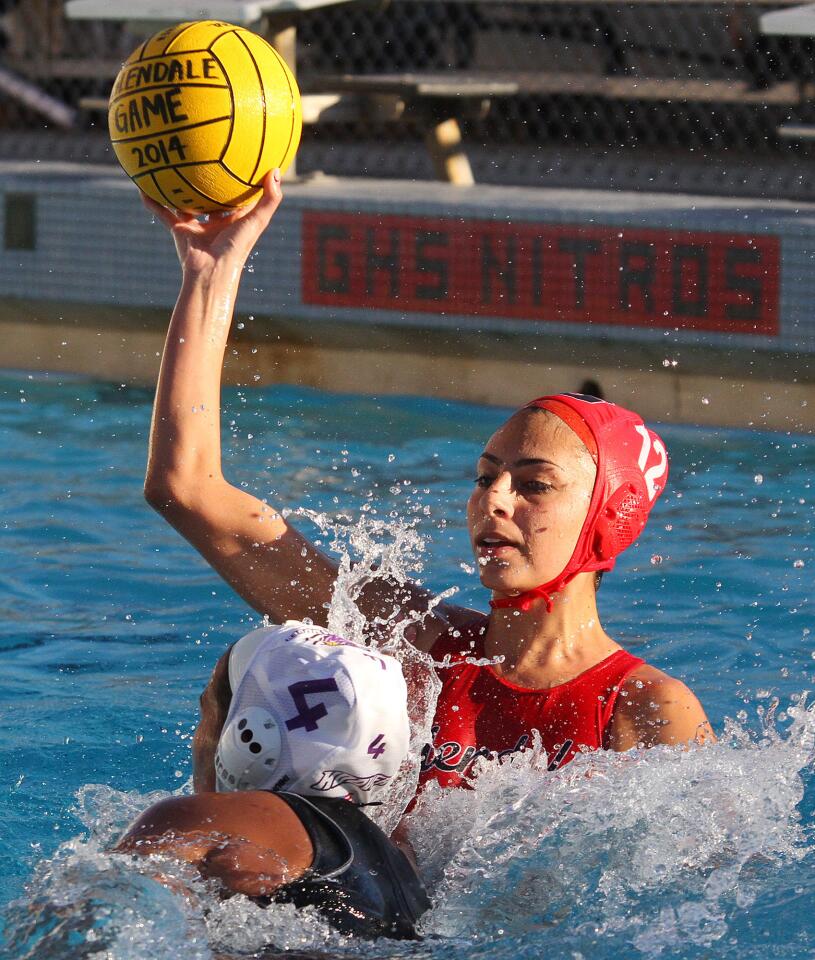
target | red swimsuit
x=481, y=714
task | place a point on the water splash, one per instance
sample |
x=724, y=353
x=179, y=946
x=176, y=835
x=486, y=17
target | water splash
x=658, y=850
x=651, y=853
x=86, y=901
x=375, y=551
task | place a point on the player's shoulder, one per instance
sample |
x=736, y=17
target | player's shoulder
x=446, y=620
x=647, y=682
x=655, y=707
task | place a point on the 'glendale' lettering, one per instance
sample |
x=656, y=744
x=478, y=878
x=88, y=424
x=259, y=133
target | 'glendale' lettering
x=168, y=71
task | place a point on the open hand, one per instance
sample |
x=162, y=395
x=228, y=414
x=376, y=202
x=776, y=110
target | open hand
x=220, y=239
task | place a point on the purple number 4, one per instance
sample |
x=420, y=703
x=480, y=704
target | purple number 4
x=375, y=749
x=306, y=716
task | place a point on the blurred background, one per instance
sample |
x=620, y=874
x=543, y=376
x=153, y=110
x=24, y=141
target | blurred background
x=669, y=96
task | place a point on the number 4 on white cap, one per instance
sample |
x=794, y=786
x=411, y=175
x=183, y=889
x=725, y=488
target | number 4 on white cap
x=655, y=473
x=377, y=746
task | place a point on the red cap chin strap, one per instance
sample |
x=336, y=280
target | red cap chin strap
x=523, y=601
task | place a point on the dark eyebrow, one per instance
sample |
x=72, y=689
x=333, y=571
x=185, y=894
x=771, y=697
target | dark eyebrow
x=526, y=462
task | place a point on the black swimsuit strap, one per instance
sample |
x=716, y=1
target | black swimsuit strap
x=333, y=851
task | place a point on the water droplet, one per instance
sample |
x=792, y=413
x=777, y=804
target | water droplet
x=656, y=559
x=758, y=478
x=798, y=563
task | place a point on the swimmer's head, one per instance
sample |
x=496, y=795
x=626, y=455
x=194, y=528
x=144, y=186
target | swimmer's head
x=312, y=714
x=563, y=487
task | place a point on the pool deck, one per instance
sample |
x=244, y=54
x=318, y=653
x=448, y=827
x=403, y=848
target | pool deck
x=692, y=309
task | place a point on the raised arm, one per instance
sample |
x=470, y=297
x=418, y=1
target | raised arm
x=267, y=561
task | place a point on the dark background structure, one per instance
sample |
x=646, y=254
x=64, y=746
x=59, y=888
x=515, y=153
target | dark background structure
x=662, y=96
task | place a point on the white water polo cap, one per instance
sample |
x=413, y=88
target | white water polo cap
x=312, y=713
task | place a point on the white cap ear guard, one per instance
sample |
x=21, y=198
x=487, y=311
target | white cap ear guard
x=312, y=713
x=249, y=749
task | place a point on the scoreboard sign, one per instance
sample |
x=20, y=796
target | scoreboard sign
x=631, y=277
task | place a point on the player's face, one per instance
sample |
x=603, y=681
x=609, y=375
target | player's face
x=531, y=495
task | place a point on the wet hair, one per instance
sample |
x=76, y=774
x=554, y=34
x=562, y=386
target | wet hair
x=591, y=388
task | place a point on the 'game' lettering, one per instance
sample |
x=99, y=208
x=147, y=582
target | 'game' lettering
x=139, y=112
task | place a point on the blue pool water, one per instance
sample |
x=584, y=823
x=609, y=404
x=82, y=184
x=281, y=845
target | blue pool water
x=109, y=625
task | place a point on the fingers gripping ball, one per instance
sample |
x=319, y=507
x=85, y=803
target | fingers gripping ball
x=201, y=112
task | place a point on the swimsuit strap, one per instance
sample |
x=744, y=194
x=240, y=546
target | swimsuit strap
x=620, y=666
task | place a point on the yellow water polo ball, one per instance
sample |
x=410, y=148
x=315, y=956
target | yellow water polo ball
x=201, y=112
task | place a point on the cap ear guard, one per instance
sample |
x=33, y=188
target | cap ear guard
x=249, y=751
x=620, y=522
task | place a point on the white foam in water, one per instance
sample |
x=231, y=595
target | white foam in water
x=84, y=902
x=372, y=549
x=650, y=853
x=649, y=849
x=645, y=853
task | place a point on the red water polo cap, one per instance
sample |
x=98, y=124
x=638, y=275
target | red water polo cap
x=632, y=470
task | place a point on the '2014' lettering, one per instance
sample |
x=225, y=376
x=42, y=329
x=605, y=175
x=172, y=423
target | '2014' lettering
x=159, y=152
x=657, y=471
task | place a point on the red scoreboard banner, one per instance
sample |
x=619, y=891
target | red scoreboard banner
x=725, y=282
